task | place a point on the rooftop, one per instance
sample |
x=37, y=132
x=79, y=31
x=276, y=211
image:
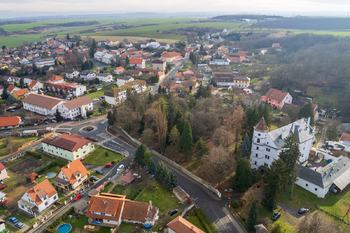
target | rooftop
x=67, y=142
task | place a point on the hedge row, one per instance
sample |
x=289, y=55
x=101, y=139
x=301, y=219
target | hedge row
x=52, y=228
x=205, y=220
x=34, y=154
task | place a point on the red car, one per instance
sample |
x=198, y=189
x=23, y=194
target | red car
x=108, y=165
x=77, y=197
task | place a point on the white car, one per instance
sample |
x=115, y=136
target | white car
x=121, y=166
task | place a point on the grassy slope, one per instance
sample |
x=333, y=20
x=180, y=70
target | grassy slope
x=98, y=157
x=321, y=96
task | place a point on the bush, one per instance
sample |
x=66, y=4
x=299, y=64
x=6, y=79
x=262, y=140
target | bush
x=243, y=201
x=106, y=154
x=205, y=220
x=234, y=204
x=255, y=176
x=34, y=154
x=113, y=162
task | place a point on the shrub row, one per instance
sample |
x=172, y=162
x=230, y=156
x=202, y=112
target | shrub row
x=205, y=220
x=35, y=154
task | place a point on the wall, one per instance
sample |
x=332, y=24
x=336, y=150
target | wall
x=320, y=192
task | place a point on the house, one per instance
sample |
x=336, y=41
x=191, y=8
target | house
x=46, y=68
x=10, y=89
x=144, y=45
x=165, y=46
x=159, y=65
x=105, y=77
x=118, y=70
x=238, y=81
x=220, y=62
x=40, y=63
x=117, y=95
x=35, y=85
x=107, y=58
x=111, y=210
x=137, y=63
x=276, y=45
x=23, y=61
x=123, y=80
x=333, y=178
x=72, y=73
x=87, y=75
x=20, y=94
x=128, y=179
x=67, y=88
x=277, y=98
x=266, y=145
x=171, y=56
x=102, y=42
x=10, y=122
x=186, y=86
x=3, y=172
x=241, y=53
x=214, y=90
x=247, y=63
x=232, y=59
x=260, y=228
x=56, y=79
x=70, y=110
x=38, y=198
x=68, y=147
x=2, y=225
x=71, y=176
x=32, y=176
x=42, y=104
x=181, y=225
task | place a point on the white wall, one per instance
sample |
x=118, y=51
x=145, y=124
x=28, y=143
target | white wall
x=68, y=155
x=320, y=192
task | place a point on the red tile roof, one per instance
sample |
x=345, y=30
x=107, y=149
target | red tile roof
x=21, y=92
x=128, y=178
x=72, y=169
x=171, y=54
x=181, y=225
x=261, y=126
x=67, y=142
x=10, y=88
x=55, y=78
x=2, y=167
x=10, y=121
x=33, y=83
x=40, y=190
x=345, y=137
x=136, y=61
x=276, y=94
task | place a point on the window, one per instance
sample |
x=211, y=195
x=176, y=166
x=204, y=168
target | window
x=46, y=203
x=315, y=189
x=257, y=148
x=266, y=165
x=258, y=140
x=255, y=163
x=22, y=206
x=267, y=157
x=259, y=134
x=256, y=155
x=45, y=198
x=54, y=197
x=268, y=149
x=307, y=185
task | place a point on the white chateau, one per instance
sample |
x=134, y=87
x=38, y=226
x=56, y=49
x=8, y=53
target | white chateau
x=266, y=145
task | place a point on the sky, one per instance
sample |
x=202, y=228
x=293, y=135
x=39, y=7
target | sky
x=168, y=6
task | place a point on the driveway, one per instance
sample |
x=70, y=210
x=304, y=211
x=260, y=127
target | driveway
x=291, y=210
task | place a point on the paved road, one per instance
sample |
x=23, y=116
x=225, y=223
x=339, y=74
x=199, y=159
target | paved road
x=324, y=133
x=169, y=75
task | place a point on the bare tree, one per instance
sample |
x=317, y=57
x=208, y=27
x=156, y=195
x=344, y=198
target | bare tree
x=292, y=111
x=315, y=223
x=222, y=137
x=147, y=136
x=125, y=117
x=218, y=164
x=162, y=127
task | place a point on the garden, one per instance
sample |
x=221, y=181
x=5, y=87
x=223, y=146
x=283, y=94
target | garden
x=102, y=156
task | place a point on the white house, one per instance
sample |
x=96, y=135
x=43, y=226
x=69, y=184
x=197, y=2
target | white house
x=118, y=70
x=333, y=177
x=99, y=55
x=71, y=176
x=107, y=58
x=72, y=74
x=159, y=65
x=123, y=80
x=105, y=77
x=266, y=145
x=42, y=104
x=118, y=94
x=87, y=75
x=220, y=62
x=154, y=45
x=38, y=198
x=75, y=108
x=2, y=225
x=137, y=63
x=165, y=46
x=144, y=45
x=102, y=42
x=35, y=85
x=3, y=172
x=238, y=81
x=68, y=147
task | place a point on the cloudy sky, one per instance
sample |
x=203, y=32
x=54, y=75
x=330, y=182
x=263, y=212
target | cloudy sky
x=230, y=6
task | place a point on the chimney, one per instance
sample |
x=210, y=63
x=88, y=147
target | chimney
x=308, y=121
x=68, y=165
x=292, y=128
x=150, y=205
x=192, y=228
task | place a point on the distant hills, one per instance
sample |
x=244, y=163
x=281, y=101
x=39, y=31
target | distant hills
x=241, y=17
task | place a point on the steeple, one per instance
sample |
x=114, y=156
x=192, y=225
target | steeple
x=261, y=126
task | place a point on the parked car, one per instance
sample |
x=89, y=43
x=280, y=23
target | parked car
x=19, y=225
x=98, y=171
x=108, y=165
x=303, y=211
x=12, y=110
x=13, y=219
x=95, y=178
x=46, y=122
x=173, y=211
x=276, y=216
x=121, y=166
x=77, y=197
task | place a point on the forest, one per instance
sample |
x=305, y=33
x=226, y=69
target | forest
x=306, y=23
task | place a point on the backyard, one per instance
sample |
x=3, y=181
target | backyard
x=100, y=93
x=15, y=142
x=102, y=156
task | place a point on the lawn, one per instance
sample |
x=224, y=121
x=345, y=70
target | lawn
x=335, y=204
x=100, y=93
x=98, y=157
x=195, y=221
x=161, y=198
x=54, y=169
x=131, y=191
x=16, y=141
x=23, y=218
x=79, y=223
x=323, y=96
x=126, y=228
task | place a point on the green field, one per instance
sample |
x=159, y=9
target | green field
x=145, y=32
x=323, y=96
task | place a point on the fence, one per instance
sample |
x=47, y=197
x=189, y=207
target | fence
x=177, y=166
x=114, y=177
x=38, y=169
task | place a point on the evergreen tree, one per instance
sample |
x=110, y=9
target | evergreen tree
x=267, y=114
x=246, y=147
x=93, y=48
x=150, y=98
x=151, y=166
x=147, y=157
x=165, y=180
x=307, y=111
x=290, y=155
x=177, y=117
x=140, y=154
x=5, y=94
x=127, y=60
x=187, y=140
x=252, y=217
x=21, y=82
x=171, y=181
x=142, y=124
x=160, y=89
x=97, y=81
x=243, y=177
x=58, y=116
x=193, y=58
x=68, y=37
x=110, y=118
x=276, y=178
x=208, y=92
x=161, y=171
x=201, y=149
x=180, y=125
x=200, y=92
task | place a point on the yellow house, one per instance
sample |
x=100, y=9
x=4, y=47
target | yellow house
x=20, y=94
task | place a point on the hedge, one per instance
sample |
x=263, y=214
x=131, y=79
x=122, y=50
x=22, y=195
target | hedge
x=205, y=220
x=34, y=154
